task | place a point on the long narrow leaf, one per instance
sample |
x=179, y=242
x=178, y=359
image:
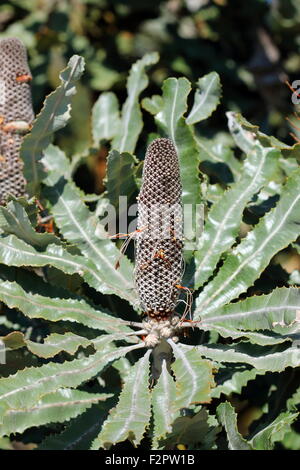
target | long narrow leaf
x=260, y=357
x=78, y=226
x=23, y=389
x=274, y=432
x=280, y=307
x=132, y=414
x=58, y=309
x=273, y=233
x=52, y=345
x=194, y=378
x=54, y=115
x=105, y=117
x=14, y=252
x=163, y=402
x=227, y=417
x=207, y=98
x=131, y=120
x=55, y=407
x=14, y=220
x=225, y=217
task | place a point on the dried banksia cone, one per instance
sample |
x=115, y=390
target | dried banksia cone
x=158, y=262
x=16, y=115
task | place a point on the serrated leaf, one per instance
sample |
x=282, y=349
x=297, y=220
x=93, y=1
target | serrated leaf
x=236, y=382
x=129, y=419
x=263, y=358
x=274, y=432
x=264, y=338
x=52, y=345
x=175, y=93
x=164, y=411
x=58, y=309
x=244, y=138
x=14, y=252
x=274, y=232
x=244, y=132
x=228, y=418
x=105, y=117
x=55, y=343
x=213, y=193
x=54, y=116
x=131, y=118
x=23, y=389
x=278, y=311
x=51, y=408
x=293, y=403
x=207, y=98
x=194, y=377
x=57, y=164
x=79, y=226
x=13, y=340
x=73, y=437
x=14, y=220
x=224, y=218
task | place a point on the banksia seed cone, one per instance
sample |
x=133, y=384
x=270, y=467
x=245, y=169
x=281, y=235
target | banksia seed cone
x=16, y=115
x=159, y=264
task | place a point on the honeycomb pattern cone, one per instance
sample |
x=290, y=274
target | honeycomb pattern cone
x=16, y=115
x=158, y=246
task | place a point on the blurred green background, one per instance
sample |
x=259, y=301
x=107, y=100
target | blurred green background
x=253, y=45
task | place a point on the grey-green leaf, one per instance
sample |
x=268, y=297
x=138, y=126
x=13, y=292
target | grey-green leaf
x=23, y=389
x=120, y=178
x=79, y=226
x=228, y=419
x=224, y=218
x=194, y=377
x=131, y=118
x=56, y=309
x=14, y=220
x=164, y=411
x=278, y=311
x=129, y=419
x=274, y=432
x=264, y=359
x=105, y=117
x=207, y=98
x=274, y=232
x=52, y=345
x=56, y=407
x=54, y=116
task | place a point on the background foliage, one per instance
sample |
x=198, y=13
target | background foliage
x=254, y=46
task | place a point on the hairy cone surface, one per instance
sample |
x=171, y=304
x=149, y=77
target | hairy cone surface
x=16, y=115
x=159, y=264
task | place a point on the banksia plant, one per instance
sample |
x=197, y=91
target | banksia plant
x=159, y=262
x=16, y=115
x=77, y=358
